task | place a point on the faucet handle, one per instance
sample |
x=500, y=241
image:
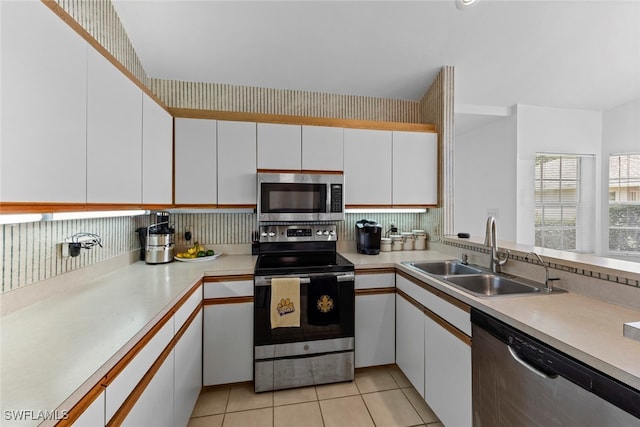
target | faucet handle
x=465, y=258
x=502, y=260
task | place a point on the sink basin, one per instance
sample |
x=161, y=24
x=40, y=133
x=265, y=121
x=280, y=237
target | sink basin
x=444, y=268
x=489, y=285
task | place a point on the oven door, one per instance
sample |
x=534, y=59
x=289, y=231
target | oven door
x=310, y=329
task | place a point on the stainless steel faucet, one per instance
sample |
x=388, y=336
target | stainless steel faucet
x=547, y=280
x=491, y=241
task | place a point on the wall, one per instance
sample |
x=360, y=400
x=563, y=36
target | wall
x=550, y=130
x=483, y=175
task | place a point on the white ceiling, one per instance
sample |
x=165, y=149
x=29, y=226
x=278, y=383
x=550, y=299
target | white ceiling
x=562, y=53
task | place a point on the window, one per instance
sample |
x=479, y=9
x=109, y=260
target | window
x=624, y=208
x=564, y=202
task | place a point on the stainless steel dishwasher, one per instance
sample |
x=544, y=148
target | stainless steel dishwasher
x=520, y=381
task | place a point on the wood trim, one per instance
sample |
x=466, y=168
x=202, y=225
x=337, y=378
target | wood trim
x=384, y=270
x=192, y=113
x=308, y=171
x=131, y=354
x=368, y=206
x=227, y=300
x=456, y=302
x=159, y=207
x=122, y=363
x=413, y=302
x=375, y=291
x=75, y=26
x=448, y=327
x=227, y=278
x=195, y=205
x=28, y=207
x=78, y=409
x=124, y=409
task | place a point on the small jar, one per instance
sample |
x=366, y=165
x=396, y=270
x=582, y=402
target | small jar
x=420, y=240
x=408, y=239
x=396, y=242
x=385, y=244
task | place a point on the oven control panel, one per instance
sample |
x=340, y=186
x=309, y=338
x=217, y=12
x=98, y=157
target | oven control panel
x=298, y=233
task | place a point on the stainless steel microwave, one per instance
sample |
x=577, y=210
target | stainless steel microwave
x=300, y=196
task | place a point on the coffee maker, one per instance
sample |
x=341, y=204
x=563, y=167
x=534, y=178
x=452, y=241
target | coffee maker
x=368, y=234
x=157, y=240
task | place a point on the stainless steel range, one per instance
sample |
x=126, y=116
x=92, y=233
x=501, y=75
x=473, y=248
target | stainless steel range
x=314, y=344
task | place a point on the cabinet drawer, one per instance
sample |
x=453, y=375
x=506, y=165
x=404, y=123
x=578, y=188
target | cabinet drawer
x=234, y=288
x=373, y=281
x=449, y=312
x=122, y=385
x=187, y=308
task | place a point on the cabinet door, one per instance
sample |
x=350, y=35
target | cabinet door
x=279, y=146
x=195, y=162
x=188, y=371
x=228, y=343
x=114, y=134
x=415, y=168
x=322, y=148
x=410, y=342
x=93, y=416
x=447, y=375
x=236, y=163
x=367, y=167
x=157, y=153
x=375, y=330
x=154, y=407
x=44, y=106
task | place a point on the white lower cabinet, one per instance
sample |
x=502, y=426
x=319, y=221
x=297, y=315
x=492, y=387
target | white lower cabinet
x=188, y=371
x=375, y=319
x=228, y=343
x=93, y=416
x=154, y=407
x=227, y=339
x=447, y=366
x=410, y=342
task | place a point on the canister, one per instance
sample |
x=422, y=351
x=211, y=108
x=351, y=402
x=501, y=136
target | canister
x=420, y=240
x=396, y=242
x=385, y=244
x=409, y=239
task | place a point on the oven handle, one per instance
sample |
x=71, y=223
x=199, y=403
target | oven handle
x=304, y=280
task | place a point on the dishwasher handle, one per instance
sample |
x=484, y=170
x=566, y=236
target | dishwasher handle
x=527, y=365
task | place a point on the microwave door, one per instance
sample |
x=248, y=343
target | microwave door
x=292, y=201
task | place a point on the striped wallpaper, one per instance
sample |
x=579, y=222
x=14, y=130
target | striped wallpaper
x=31, y=252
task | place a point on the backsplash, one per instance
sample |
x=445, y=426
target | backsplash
x=31, y=252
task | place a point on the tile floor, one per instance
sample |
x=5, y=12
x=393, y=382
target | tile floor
x=379, y=396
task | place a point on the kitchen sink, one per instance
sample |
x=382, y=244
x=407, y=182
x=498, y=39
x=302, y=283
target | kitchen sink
x=444, y=268
x=488, y=285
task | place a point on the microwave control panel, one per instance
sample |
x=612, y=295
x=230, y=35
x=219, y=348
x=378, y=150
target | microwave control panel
x=336, y=198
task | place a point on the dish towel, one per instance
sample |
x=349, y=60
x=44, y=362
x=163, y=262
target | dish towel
x=285, y=302
x=323, y=306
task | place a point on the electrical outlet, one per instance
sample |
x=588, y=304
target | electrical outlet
x=65, y=249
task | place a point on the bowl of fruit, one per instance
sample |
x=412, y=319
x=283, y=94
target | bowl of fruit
x=197, y=253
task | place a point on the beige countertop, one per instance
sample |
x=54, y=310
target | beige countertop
x=55, y=350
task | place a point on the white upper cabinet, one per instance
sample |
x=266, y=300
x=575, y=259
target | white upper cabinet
x=367, y=167
x=195, y=162
x=236, y=163
x=114, y=134
x=279, y=146
x=157, y=153
x=322, y=148
x=415, y=168
x=44, y=94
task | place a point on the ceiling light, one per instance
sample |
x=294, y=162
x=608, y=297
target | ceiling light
x=465, y=4
x=19, y=218
x=57, y=216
